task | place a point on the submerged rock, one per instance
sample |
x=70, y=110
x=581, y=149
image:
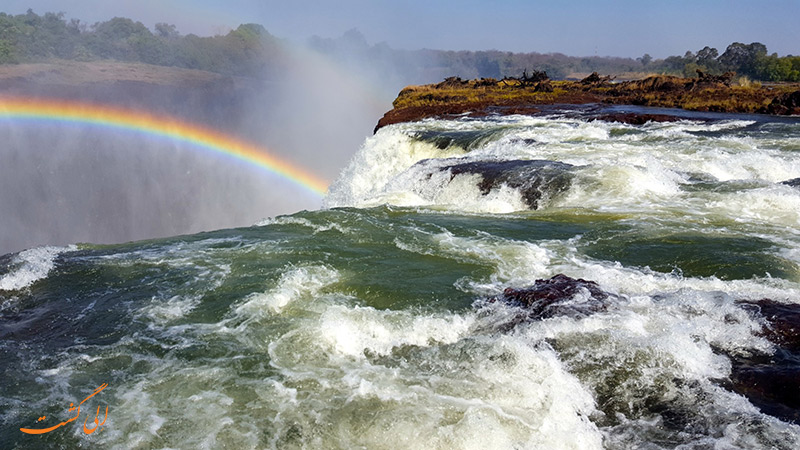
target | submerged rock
x=559, y=296
x=772, y=382
x=534, y=179
x=794, y=182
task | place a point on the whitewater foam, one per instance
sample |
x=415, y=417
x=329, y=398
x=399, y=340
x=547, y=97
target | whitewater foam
x=30, y=266
x=643, y=167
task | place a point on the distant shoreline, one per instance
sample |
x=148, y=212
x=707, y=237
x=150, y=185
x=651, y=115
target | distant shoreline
x=455, y=97
x=195, y=95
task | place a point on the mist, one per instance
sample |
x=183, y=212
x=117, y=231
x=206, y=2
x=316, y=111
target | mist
x=71, y=183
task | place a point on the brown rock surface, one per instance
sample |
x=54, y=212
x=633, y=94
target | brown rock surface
x=514, y=96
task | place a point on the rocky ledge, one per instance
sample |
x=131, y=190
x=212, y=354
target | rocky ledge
x=455, y=97
x=771, y=381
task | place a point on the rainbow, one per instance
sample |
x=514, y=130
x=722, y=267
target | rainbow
x=71, y=111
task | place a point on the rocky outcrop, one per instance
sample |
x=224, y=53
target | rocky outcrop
x=714, y=93
x=794, y=182
x=786, y=104
x=558, y=296
x=772, y=381
x=534, y=179
x=636, y=118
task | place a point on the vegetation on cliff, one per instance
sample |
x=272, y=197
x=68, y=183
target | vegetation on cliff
x=521, y=95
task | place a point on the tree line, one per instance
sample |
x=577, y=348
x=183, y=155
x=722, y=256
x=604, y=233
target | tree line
x=250, y=50
x=752, y=60
x=29, y=37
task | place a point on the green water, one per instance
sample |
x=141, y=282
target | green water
x=368, y=326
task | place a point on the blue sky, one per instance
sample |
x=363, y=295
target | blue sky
x=578, y=28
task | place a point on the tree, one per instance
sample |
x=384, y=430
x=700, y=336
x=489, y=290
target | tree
x=6, y=52
x=645, y=59
x=707, y=54
x=743, y=58
x=707, y=59
x=165, y=30
x=118, y=38
x=774, y=68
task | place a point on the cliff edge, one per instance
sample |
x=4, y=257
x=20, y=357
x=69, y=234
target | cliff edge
x=455, y=96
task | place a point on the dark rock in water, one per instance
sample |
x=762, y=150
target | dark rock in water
x=783, y=321
x=534, y=179
x=794, y=182
x=785, y=104
x=465, y=139
x=772, y=382
x=637, y=119
x=559, y=296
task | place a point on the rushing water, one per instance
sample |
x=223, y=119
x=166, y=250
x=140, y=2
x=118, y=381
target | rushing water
x=366, y=324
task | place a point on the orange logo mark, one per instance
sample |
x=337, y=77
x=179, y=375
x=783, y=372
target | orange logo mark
x=86, y=429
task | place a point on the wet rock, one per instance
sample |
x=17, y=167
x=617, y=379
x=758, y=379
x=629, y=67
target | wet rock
x=534, y=179
x=558, y=296
x=637, y=119
x=794, y=182
x=772, y=382
x=464, y=139
x=785, y=104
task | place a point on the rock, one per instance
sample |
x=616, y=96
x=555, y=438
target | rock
x=707, y=93
x=558, y=296
x=794, y=182
x=772, y=382
x=785, y=104
x=637, y=119
x=534, y=179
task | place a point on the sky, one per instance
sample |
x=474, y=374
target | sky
x=627, y=28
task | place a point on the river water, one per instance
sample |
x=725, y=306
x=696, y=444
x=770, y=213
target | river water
x=370, y=323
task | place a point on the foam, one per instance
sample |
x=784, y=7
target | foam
x=30, y=266
x=302, y=221
x=295, y=284
x=644, y=167
x=383, y=156
x=777, y=205
x=517, y=393
x=514, y=262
